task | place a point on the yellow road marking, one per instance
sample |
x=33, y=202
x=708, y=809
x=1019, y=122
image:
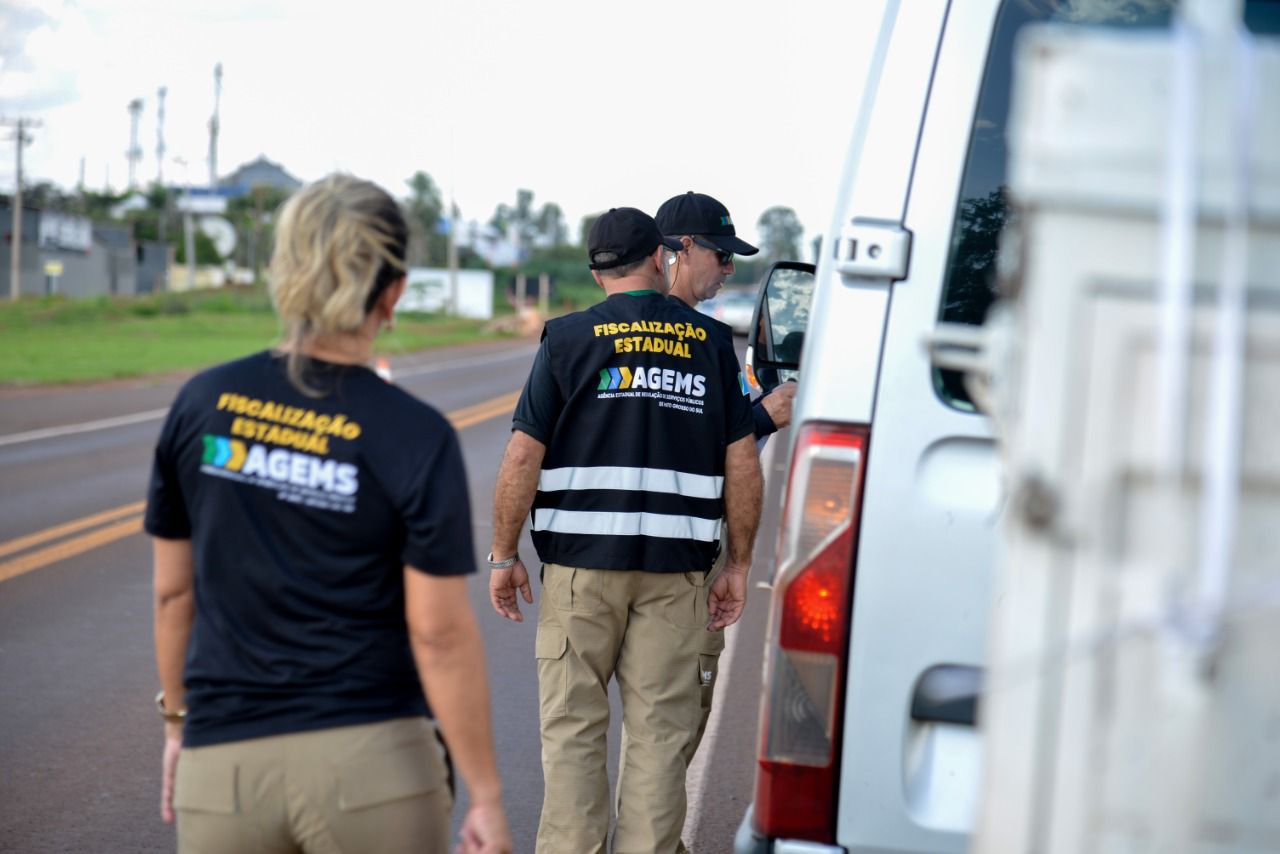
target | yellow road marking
x=57, y=531
x=472, y=415
x=461, y=419
x=69, y=548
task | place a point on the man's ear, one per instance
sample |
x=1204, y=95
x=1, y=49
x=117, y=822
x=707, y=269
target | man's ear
x=659, y=259
x=599, y=281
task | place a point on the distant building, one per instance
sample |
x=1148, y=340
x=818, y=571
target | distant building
x=260, y=173
x=71, y=255
x=204, y=200
x=490, y=243
x=129, y=204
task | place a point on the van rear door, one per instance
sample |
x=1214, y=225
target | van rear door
x=911, y=760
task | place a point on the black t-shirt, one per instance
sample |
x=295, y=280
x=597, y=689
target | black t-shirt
x=636, y=400
x=302, y=514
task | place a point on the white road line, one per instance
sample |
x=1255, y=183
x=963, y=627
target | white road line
x=695, y=781
x=84, y=427
x=506, y=355
x=696, y=777
x=157, y=414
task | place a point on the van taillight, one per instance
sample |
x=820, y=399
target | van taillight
x=809, y=635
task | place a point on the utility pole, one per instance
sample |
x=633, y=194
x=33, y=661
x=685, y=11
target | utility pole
x=160, y=93
x=134, y=154
x=164, y=214
x=452, y=254
x=15, y=248
x=214, y=125
x=189, y=230
x=255, y=233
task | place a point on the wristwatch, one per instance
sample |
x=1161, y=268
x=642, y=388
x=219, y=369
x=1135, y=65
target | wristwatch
x=503, y=564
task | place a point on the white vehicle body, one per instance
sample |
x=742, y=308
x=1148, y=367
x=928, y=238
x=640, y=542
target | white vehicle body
x=920, y=475
x=1131, y=700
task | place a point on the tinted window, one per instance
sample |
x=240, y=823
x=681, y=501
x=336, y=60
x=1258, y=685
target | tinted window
x=981, y=211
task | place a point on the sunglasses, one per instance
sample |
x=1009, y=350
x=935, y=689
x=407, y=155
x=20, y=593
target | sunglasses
x=725, y=258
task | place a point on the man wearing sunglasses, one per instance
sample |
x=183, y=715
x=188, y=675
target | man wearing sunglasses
x=698, y=270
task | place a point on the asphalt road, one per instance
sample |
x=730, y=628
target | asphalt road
x=79, y=737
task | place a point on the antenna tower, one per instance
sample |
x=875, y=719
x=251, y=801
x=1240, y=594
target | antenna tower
x=134, y=154
x=213, y=126
x=160, y=93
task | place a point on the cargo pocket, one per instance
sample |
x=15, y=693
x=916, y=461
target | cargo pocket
x=205, y=783
x=572, y=589
x=709, y=667
x=687, y=608
x=386, y=777
x=553, y=670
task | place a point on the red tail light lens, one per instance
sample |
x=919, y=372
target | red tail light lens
x=809, y=630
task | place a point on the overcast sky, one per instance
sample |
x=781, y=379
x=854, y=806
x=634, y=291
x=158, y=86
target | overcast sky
x=588, y=103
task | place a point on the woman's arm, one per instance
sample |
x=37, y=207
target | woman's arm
x=175, y=613
x=450, y=655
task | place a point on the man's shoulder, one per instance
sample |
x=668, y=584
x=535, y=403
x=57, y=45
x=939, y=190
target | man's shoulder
x=574, y=319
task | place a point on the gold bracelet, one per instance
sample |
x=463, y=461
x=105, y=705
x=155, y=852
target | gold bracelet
x=169, y=717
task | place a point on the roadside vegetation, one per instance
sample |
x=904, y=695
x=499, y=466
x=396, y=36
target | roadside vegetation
x=60, y=340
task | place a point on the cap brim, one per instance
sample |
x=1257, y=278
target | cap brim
x=731, y=243
x=672, y=243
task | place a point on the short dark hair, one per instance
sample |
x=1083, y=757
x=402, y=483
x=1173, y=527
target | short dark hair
x=623, y=270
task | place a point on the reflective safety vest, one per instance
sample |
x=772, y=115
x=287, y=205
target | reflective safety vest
x=648, y=397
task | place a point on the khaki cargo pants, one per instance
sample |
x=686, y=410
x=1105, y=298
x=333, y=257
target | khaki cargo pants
x=648, y=631
x=379, y=788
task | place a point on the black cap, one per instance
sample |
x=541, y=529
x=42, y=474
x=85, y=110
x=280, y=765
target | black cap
x=622, y=236
x=697, y=213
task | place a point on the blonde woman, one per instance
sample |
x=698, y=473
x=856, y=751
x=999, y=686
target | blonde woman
x=312, y=539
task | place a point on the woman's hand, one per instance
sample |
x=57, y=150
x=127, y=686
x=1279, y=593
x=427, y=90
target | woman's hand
x=172, y=747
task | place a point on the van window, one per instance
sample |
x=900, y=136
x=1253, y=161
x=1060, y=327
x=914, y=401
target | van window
x=981, y=211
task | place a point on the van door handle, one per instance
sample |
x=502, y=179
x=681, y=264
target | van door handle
x=873, y=249
x=948, y=693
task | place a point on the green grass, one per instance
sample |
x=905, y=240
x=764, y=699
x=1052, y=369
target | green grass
x=59, y=340
x=569, y=296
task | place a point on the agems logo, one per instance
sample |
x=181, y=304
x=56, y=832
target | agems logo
x=280, y=466
x=657, y=379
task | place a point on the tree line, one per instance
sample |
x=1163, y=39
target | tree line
x=539, y=231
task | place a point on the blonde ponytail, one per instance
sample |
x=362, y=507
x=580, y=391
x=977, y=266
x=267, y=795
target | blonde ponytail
x=339, y=243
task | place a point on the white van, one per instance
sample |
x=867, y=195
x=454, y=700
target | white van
x=878, y=624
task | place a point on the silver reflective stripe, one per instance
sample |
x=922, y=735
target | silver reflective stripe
x=631, y=479
x=626, y=524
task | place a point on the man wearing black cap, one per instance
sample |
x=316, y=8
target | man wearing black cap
x=708, y=242
x=627, y=523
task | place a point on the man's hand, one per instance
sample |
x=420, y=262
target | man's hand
x=726, y=598
x=503, y=584
x=778, y=403
x=484, y=831
x=172, y=747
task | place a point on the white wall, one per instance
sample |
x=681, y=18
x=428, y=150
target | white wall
x=428, y=290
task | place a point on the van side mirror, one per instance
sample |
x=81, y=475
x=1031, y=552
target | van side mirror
x=779, y=323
